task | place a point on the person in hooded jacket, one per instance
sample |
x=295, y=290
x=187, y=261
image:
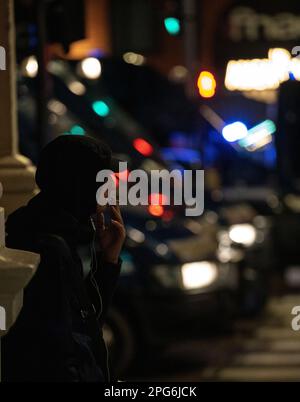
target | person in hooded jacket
x=58, y=334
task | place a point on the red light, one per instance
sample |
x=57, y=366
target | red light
x=143, y=146
x=115, y=179
x=206, y=84
x=123, y=176
x=156, y=210
x=158, y=199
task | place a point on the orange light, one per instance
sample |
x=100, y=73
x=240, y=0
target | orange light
x=143, y=146
x=156, y=210
x=206, y=84
x=158, y=199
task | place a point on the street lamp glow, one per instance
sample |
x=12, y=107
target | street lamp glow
x=206, y=84
x=30, y=67
x=91, y=68
x=178, y=73
x=134, y=58
x=77, y=88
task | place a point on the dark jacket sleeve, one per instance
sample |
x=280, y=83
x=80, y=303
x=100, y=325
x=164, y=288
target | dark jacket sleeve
x=106, y=278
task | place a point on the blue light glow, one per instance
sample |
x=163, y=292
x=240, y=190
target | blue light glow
x=235, y=131
x=98, y=53
x=292, y=76
x=184, y=155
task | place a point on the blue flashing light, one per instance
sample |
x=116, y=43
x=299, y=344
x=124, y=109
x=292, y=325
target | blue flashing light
x=292, y=76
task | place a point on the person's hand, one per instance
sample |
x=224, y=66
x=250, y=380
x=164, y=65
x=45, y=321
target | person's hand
x=112, y=236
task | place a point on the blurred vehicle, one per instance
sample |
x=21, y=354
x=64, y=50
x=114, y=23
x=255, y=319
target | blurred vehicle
x=171, y=286
x=255, y=260
x=179, y=274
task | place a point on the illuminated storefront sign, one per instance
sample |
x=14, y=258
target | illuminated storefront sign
x=262, y=74
x=249, y=28
x=245, y=23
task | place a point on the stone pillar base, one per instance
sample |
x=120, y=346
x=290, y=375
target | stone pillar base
x=17, y=177
x=17, y=267
x=12, y=305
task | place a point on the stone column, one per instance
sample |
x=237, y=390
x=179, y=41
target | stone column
x=16, y=171
x=16, y=269
x=17, y=176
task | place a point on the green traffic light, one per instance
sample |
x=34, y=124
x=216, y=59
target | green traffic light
x=172, y=25
x=101, y=108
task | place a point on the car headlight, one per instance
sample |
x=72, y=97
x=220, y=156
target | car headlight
x=243, y=234
x=197, y=275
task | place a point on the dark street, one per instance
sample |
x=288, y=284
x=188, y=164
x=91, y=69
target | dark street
x=266, y=349
x=149, y=193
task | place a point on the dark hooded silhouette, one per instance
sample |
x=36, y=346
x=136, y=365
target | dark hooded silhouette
x=58, y=335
